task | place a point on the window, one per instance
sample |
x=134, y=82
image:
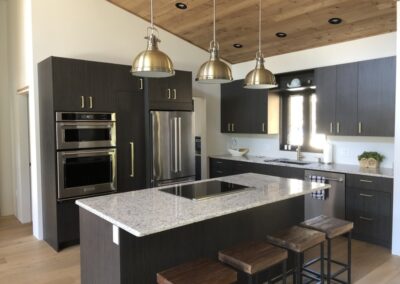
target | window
x=299, y=122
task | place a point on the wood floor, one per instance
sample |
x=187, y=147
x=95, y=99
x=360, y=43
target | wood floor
x=23, y=259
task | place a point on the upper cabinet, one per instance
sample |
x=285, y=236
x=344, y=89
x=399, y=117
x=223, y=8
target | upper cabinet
x=172, y=93
x=356, y=98
x=248, y=111
x=376, y=97
x=80, y=85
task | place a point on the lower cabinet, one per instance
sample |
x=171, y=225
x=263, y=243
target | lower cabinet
x=369, y=206
x=67, y=223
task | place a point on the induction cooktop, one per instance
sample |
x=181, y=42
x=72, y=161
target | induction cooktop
x=204, y=190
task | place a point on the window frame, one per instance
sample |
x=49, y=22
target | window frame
x=307, y=121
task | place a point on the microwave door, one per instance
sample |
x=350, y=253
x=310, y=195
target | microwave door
x=164, y=154
x=186, y=144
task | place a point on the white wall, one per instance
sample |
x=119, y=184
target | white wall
x=20, y=74
x=396, y=192
x=6, y=168
x=346, y=148
x=97, y=30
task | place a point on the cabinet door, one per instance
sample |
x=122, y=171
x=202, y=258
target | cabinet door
x=70, y=87
x=131, y=163
x=181, y=87
x=230, y=96
x=346, y=99
x=325, y=81
x=158, y=90
x=220, y=168
x=376, y=97
x=99, y=82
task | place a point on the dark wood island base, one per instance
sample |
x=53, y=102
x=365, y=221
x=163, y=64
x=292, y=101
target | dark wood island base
x=138, y=259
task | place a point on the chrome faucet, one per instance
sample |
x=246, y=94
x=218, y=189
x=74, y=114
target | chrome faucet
x=299, y=155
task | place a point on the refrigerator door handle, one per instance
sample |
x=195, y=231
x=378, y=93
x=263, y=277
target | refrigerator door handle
x=175, y=145
x=180, y=143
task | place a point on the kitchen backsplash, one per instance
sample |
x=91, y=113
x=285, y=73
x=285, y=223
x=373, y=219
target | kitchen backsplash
x=345, y=149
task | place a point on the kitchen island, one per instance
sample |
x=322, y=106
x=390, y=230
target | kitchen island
x=129, y=237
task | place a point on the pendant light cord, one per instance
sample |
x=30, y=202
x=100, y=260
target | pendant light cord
x=214, y=36
x=151, y=14
x=259, y=29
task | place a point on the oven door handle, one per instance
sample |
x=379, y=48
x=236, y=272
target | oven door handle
x=83, y=125
x=88, y=153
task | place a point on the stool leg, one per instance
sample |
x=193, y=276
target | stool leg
x=322, y=275
x=329, y=260
x=349, y=258
x=298, y=268
x=284, y=268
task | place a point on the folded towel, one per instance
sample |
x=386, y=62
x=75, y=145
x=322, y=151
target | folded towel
x=322, y=194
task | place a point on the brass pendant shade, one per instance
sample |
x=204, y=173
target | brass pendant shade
x=214, y=71
x=152, y=62
x=259, y=77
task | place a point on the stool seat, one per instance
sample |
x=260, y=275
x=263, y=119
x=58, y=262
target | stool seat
x=253, y=257
x=198, y=272
x=332, y=227
x=297, y=239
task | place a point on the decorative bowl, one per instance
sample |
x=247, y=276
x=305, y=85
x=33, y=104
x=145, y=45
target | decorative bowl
x=238, y=151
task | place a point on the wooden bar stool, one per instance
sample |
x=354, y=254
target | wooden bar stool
x=298, y=240
x=332, y=227
x=198, y=272
x=253, y=258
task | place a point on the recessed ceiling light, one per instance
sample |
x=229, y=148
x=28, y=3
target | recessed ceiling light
x=335, y=21
x=181, y=5
x=237, y=45
x=281, y=34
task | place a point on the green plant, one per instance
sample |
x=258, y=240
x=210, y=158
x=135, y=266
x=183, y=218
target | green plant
x=373, y=155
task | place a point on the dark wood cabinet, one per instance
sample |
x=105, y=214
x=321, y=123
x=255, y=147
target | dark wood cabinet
x=172, y=93
x=325, y=81
x=131, y=159
x=376, y=97
x=220, y=168
x=248, y=111
x=369, y=206
x=357, y=98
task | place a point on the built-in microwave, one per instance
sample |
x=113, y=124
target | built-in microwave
x=79, y=130
x=86, y=172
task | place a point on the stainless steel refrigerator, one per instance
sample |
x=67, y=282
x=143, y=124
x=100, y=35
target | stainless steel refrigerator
x=173, y=147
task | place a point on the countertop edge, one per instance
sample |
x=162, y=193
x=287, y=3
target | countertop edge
x=305, y=167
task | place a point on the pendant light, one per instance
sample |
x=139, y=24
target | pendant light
x=214, y=71
x=152, y=62
x=259, y=77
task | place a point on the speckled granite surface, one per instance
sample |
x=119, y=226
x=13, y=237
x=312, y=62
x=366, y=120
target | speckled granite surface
x=338, y=168
x=149, y=211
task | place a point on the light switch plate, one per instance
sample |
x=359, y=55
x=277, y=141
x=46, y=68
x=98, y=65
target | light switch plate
x=116, y=235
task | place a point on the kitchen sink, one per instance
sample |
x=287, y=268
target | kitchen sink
x=288, y=161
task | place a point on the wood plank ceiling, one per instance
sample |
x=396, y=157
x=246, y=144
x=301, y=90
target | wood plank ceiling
x=304, y=21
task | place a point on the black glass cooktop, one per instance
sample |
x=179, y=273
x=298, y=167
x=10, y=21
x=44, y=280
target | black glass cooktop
x=203, y=190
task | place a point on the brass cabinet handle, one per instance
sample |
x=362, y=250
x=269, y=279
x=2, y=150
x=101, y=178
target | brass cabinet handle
x=229, y=127
x=263, y=127
x=359, y=128
x=366, y=181
x=366, y=219
x=174, y=92
x=337, y=127
x=90, y=102
x=331, y=127
x=169, y=93
x=366, y=195
x=132, y=159
x=141, y=84
x=82, y=102
x=233, y=127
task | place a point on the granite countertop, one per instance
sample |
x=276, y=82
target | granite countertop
x=338, y=168
x=149, y=211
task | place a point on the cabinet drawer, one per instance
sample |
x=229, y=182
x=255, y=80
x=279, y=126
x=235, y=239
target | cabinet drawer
x=219, y=168
x=369, y=182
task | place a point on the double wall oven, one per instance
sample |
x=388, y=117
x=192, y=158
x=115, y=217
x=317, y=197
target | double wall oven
x=86, y=153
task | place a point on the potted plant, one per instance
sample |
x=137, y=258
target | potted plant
x=370, y=159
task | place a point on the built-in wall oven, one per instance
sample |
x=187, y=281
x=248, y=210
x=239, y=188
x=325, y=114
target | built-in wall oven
x=86, y=154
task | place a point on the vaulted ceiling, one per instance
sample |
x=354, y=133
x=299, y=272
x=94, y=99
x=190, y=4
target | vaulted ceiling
x=304, y=21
